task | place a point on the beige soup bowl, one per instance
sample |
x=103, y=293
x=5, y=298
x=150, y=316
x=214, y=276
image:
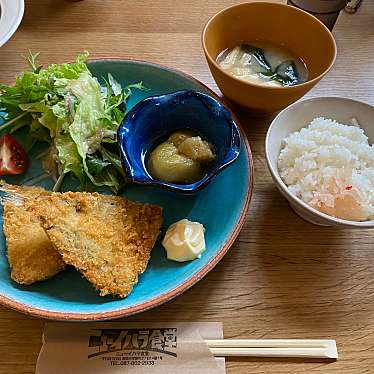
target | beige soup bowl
x=299, y=115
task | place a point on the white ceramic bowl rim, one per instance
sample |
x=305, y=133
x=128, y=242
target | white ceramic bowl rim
x=11, y=13
x=275, y=174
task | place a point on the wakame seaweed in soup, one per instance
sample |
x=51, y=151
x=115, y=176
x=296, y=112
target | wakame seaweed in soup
x=264, y=63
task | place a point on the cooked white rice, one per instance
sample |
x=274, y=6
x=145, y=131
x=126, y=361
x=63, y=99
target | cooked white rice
x=326, y=149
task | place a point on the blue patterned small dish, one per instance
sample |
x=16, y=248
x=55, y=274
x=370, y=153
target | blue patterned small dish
x=156, y=117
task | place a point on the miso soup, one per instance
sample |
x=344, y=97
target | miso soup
x=264, y=63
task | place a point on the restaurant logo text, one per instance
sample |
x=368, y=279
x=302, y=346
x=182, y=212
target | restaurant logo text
x=104, y=341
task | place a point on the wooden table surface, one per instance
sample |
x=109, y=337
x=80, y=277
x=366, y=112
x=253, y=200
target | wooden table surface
x=283, y=278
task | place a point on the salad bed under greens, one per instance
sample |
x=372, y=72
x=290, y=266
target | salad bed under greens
x=65, y=106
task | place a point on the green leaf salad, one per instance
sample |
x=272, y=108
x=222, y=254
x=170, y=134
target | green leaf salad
x=65, y=106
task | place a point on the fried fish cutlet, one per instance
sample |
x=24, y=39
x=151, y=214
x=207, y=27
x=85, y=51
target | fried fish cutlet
x=31, y=255
x=107, y=238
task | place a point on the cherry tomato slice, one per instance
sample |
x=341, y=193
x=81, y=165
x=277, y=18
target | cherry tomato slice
x=13, y=158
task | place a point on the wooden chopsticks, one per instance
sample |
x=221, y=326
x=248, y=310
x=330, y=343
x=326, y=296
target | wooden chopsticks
x=312, y=348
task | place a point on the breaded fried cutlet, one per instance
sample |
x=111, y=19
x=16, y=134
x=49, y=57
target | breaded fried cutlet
x=31, y=255
x=107, y=238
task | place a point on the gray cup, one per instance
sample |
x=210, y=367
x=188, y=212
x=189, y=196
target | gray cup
x=327, y=11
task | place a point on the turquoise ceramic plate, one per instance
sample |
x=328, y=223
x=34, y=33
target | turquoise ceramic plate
x=221, y=207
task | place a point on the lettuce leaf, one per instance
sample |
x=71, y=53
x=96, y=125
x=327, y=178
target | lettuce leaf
x=90, y=127
x=68, y=157
x=65, y=106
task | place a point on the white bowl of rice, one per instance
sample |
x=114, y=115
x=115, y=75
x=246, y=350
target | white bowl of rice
x=320, y=155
